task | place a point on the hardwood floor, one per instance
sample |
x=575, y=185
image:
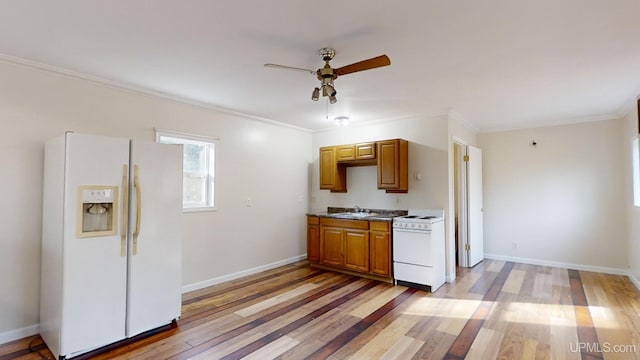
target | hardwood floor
x=496, y=310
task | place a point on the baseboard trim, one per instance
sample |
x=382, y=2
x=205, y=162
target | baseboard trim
x=17, y=334
x=634, y=280
x=206, y=283
x=599, y=269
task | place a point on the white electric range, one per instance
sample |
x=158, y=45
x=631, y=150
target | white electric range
x=419, y=250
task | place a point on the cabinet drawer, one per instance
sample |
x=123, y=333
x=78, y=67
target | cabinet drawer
x=413, y=273
x=313, y=220
x=365, y=151
x=345, y=223
x=345, y=152
x=379, y=226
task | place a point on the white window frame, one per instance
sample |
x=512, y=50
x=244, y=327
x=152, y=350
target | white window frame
x=635, y=168
x=211, y=204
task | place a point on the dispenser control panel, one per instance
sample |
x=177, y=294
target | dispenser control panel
x=98, y=196
x=97, y=211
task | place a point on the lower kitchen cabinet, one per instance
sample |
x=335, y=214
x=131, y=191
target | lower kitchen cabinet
x=380, y=249
x=313, y=239
x=331, y=246
x=356, y=243
x=357, y=246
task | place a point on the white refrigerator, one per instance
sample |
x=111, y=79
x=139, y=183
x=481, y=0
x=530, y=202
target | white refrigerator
x=111, y=240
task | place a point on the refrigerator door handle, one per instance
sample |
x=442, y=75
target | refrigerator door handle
x=136, y=232
x=125, y=210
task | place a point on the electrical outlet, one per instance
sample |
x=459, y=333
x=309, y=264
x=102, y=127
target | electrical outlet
x=514, y=246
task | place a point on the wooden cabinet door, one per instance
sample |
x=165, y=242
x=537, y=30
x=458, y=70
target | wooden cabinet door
x=332, y=176
x=313, y=243
x=393, y=169
x=380, y=253
x=388, y=176
x=331, y=246
x=327, y=167
x=356, y=250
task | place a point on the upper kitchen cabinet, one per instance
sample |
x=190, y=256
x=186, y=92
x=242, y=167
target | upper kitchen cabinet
x=393, y=165
x=390, y=156
x=332, y=176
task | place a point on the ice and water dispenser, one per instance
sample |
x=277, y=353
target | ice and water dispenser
x=97, y=211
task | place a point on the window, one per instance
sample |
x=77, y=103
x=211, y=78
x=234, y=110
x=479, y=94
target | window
x=198, y=183
x=635, y=156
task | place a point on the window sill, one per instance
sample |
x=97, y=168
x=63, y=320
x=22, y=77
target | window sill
x=199, y=209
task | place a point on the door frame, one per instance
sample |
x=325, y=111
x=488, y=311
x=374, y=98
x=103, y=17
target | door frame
x=461, y=201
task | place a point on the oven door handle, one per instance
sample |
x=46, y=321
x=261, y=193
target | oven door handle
x=401, y=230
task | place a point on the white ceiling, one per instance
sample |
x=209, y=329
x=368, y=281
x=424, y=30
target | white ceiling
x=496, y=64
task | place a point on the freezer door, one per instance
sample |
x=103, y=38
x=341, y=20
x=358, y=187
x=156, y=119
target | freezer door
x=155, y=250
x=93, y=268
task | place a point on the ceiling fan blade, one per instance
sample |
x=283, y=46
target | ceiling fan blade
x=378, y=61
x=284, y=67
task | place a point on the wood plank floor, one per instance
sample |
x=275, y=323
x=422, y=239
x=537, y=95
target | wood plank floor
x=497, y=310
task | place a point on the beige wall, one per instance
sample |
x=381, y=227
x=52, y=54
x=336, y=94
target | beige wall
x=266, y=162
x=560, y=202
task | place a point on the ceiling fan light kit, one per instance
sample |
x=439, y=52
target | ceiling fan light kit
x=327, y=74
x=316, y=94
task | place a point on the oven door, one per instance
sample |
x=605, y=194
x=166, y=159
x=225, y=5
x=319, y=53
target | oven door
x=412, y=247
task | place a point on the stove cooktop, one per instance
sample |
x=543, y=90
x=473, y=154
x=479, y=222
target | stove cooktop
x=418, y=217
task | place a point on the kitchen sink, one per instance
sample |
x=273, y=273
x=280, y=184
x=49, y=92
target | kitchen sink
x=353, y=215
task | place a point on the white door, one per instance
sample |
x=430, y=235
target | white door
x=474, y=188
x=94, y=269
x=155, y=277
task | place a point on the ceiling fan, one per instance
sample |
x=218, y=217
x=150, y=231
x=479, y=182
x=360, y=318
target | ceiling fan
x=327, y=74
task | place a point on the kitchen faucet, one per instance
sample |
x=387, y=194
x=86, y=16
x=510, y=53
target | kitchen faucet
x=357, y=208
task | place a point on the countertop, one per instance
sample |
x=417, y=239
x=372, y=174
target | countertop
x=345, y=213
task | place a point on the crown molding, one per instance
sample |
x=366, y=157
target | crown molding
x=557, y=122
x=118, y=85
x=457, y=116
x=629, y=105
